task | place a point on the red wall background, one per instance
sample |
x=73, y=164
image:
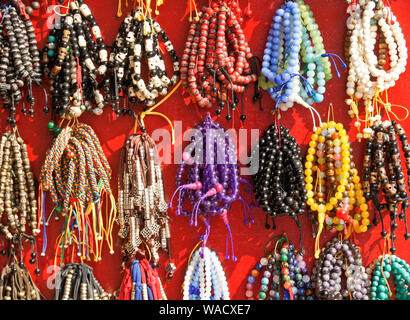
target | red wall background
x=249, y=242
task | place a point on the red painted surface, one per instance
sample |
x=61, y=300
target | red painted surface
x=249, y=242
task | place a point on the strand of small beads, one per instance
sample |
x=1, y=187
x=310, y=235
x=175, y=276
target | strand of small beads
x=15, y=280
x=280, y=181
x=205, y=278
x=17, y=190
x=77, y=175
x=212, y=182
x=20, y=60
x=76, y=281
x=381, y=270
x=371, y=24
x=73, y=60
x=329, y=162
x=216, y=63
x=141, y=282
x=383, y=151
x=142, y=209
x=337, y=257
x=290, y=279
x=139, y=39
x=295, y=48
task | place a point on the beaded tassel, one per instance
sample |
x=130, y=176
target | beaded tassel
x=215, y=65
x=76, y=281
x=139, y=38
x=141, y=203
x=77, y=175
x=20, y=59
x=73, y=61
x=383, y=173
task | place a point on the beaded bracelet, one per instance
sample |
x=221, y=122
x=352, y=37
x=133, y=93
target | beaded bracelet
x=336, y=258
x=76, y=281
x=215, y=65
x=17, y=190
x=141, y=282
x=205, y=278
x=139, y=38
x=20, y=59
x=372, y=24
x=381, y=270
x=212, y=183
x=72, y=61
x=77, y=175
x=329, y=161
x=287, y=270
x=382, y=148
x=288, y=42
x=142, y=210
x=280, y=182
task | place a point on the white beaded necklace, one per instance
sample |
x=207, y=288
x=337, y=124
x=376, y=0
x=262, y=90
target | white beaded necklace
x=366, y=80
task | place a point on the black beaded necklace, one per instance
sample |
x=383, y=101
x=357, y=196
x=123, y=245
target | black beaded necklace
x=138, y=40
x=279, y=182
x=383, y=174
x=19, y=60
x=73, y=62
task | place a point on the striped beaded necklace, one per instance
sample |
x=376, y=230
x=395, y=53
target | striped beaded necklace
x=77, y=175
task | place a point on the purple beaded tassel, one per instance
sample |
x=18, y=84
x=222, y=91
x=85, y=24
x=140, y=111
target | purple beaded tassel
x=212, y=181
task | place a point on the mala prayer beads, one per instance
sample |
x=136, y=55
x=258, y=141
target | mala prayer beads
x=138, y=39
x=141, y=282
x=76, y=281
x=371, y=25
x=212, y=183
x=382, y=151
x=73, y=59
x=382, y=269
x=288, y=272
x=336, y=258
x=77, y=175
x=216, y=63
x=205, y=278
x=295, y=48
x=15, y=280
x=280, y=182
x=17, y=189
x=329, y=162
x=142, y=207
x=19, y=60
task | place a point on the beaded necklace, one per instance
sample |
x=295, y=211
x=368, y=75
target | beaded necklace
x=288, y=271
x=141, y=282
x=141, y=205
x=216, y=63
x=280, y=182
x=76, y=281
x=338, y=190
x=336, y=258
x=371, y=23
x=383, y=151
x=205, y=278
x=295, y=36
x=139, y=39
x=77, y=175
x=72, y=61
x=212, y=183
x=20, y=60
